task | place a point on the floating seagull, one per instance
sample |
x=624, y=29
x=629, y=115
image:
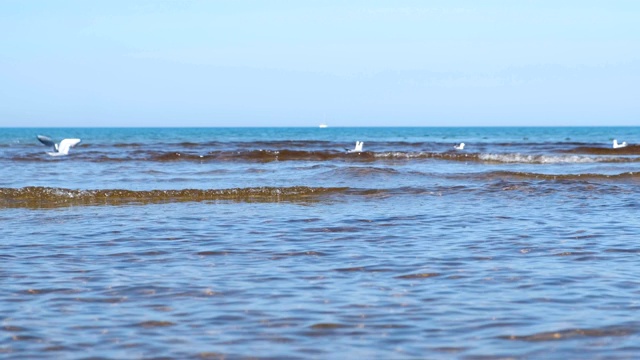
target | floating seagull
x=59, y=149
x=617, y=146
x=459, y=146
x=358, y=147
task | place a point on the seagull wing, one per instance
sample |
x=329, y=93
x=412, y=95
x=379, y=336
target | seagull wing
x=46, y=140
x=66, y=144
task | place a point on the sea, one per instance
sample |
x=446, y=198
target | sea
x=280, y=243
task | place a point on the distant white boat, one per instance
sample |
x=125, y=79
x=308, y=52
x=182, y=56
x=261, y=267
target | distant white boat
x=459, y=146
x=617, y=146
x=323, y=125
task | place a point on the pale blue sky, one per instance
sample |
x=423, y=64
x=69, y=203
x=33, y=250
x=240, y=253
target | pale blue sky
x=300, y=63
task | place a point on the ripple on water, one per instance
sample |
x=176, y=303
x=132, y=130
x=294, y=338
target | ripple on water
x=569, y=334
x=407, y=277
x=154, y=324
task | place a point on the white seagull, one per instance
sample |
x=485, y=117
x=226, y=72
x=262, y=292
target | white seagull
x=459, y=146
x=358, y=147
x=617, y=146
x=58, y=149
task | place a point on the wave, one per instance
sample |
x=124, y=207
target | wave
x=545, y=159
x=572, y=334
x=264, y=156
x=595, y=150
x=362, y=171
x=507, y=157
x=211, y=156
x=47, y=197
x=481, y=183
x=37, y=197
x=370, y=156
x=516, y=175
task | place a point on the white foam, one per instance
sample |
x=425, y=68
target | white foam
x=536, y=159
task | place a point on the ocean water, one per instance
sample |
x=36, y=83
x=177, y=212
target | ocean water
x=276, y=243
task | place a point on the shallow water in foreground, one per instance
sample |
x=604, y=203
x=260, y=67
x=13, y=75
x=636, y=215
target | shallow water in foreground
x=425, y=257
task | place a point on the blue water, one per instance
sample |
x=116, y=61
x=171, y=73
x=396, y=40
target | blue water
x=275, y=243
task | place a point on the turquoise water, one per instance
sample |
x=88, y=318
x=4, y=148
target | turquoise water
x=276, y=243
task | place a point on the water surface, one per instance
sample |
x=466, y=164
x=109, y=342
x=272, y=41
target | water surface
x=277, y=243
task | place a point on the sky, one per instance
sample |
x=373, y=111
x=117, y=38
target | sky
x=66, y=63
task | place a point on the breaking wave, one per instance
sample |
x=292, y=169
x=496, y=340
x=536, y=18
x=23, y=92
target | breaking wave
x=543, y=159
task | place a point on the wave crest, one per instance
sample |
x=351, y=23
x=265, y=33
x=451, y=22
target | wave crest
x=46, y=197
x=538, y=159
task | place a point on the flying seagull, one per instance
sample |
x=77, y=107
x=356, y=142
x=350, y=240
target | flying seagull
x=617, y=146
x=358, y=147
x=58, y=149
